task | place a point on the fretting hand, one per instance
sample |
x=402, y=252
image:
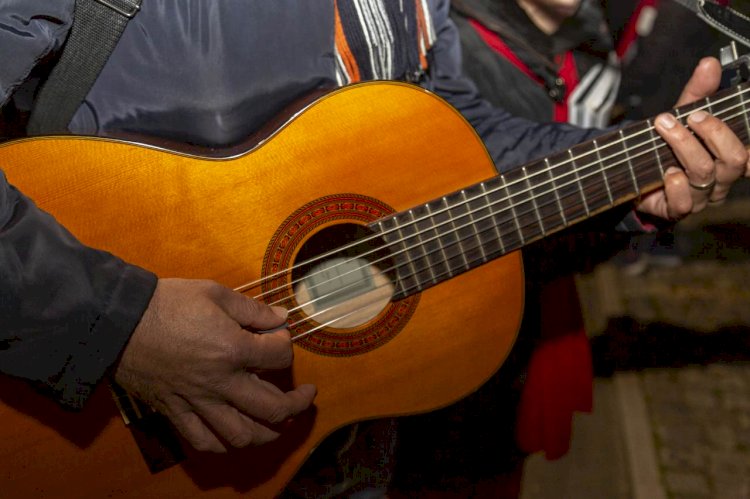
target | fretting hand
x=711, y=160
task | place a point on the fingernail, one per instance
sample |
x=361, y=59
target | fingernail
x=698, y=116
x=666, y=121
x=280, y=311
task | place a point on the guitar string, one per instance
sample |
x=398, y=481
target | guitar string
x=518, y=216
x=572, y=159
x=421, y=243
x=578, y=169
x=349, y=314
x=538, y=207
x=502, y=200
x=406, y=290
x=426, y=254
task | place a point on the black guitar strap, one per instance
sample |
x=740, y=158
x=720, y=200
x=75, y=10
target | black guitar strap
x=728, y=21
x=97, y=27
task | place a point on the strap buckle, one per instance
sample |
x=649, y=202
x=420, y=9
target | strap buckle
x=130, y=8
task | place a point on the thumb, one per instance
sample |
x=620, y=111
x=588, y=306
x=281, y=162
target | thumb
x=251, y=313
x=704, y=81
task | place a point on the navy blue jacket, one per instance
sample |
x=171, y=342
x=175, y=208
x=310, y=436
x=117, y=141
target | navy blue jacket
x=202, y=72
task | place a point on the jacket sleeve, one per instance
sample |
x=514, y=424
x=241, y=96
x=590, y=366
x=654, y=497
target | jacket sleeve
x=29, y=31
x=511, y=141
x=66, y=310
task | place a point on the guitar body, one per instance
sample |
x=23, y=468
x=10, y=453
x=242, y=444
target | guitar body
x=179, y=215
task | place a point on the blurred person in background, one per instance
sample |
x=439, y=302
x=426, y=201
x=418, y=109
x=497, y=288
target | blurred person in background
x=545, y=60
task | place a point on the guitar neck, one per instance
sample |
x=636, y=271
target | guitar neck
x=445, y=237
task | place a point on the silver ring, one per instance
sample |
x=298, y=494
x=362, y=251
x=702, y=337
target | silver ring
x=703, y=187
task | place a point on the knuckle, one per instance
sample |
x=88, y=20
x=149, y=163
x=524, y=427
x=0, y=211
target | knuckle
x=201, y=444
x=232, y=352
x=705, y=165
x=279, y=413
x=252, y=306
x=206, y=285
x=242, y=439
x=681, y=136
x=738, y=157
x=713, y=125
x=285, y=357
x=212, y=289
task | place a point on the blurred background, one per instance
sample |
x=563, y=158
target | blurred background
x=669, y=325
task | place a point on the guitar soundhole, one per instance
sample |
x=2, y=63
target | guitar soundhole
x=343, y=276
x=342, y=282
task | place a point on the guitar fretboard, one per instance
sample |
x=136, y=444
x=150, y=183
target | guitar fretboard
x=444, y=237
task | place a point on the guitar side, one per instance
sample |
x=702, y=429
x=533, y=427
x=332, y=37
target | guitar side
x=185, y=216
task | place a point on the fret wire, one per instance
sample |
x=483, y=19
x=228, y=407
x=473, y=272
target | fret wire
x=604, y=173
x=514, y=216
x=578, y=181
x=474, y=225
x=593, y=175
x=440, y=242
x=421, y=244
x=492, y=219
x=630, y=164
x=533, y=200
x=557, y=193
x=460, y=210
x=400, y=282
x=408, y=249
x=640, y=161
x=654, y=138
x=455, y=228
x=486, y=225
x=435, y=240
x=452, y=235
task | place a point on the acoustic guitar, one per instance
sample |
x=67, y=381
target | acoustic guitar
x=373, y=213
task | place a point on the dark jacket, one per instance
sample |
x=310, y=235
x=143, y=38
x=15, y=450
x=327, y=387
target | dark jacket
x=202, y=72
x=532, y=91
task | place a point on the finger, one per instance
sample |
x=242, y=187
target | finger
x=677, y=199
x=264, y=401
x=703, y=82
x=674, y=201
x=248, y=312
x=265, y=351
x=695, y=159
x=190, y=426
x=728, y=149
x=235, y=428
